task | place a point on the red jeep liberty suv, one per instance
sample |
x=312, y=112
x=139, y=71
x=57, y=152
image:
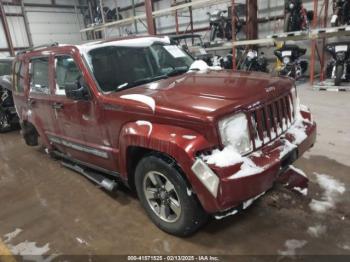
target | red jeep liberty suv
x=193, y=141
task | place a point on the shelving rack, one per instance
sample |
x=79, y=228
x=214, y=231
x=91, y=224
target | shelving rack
x=318, y=30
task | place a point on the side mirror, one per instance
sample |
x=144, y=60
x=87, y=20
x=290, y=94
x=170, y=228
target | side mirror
x=78, y=90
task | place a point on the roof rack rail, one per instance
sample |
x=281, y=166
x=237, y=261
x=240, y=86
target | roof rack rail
x=38, y=47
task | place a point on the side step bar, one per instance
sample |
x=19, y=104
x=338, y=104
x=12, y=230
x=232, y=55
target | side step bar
x=99, y=179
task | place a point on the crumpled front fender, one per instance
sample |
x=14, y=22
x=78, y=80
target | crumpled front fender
x=179, y=143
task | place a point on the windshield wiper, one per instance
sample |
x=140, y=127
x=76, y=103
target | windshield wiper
x=140, y=82
x=178, y=71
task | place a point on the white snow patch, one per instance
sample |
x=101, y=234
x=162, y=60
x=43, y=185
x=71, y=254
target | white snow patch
x=298, y=132
x=145, y=123
x=11, y=235
x=317, y=230
x=233, y=212
x=248, y=168
x=299, y=171
x=143, y=99
x=320, y=206
x=291, y=246
x=226, y=157
x=287, y=147
x=189, y=137
x=332, y=190
x=302, y=191
x=249, y=202
x=345, y=246
x=81, y=241
x=28, y=248
x=200, y=65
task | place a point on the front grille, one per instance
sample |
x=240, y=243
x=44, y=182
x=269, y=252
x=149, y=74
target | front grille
x=270, y=120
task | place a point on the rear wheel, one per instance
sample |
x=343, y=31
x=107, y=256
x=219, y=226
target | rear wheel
x=287, y=23
x=339, y=70
x=163, y=193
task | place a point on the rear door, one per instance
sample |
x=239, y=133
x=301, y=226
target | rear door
x=39, y=101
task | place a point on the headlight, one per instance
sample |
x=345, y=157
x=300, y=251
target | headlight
x=291, y=6
x=234, y=131
x=286, y=60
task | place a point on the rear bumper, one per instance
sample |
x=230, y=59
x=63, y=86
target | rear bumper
x=271, y=161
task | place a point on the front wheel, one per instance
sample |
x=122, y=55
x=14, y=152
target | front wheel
x=164, y=194
x=339, y=70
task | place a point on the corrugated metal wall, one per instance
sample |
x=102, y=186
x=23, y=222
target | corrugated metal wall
x=47, y=25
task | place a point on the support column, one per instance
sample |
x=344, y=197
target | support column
x=252, y=19
x=6, y=29
x=150, y=22
x=233, y=17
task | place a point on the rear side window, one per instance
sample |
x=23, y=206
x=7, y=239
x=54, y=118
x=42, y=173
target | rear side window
x=39, y=80
x=67, y=73
x=19, y=77
x=5, y=68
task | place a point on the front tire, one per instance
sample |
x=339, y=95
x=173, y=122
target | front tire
x=339, y=70
x=164, y=195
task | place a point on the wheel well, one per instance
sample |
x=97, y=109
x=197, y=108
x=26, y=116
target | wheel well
x=135, y=154
x=30, y=134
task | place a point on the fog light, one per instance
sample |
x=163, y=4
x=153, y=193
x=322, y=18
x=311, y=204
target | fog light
x=206, y=176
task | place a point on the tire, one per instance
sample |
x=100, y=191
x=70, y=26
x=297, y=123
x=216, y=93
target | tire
x=339, y=70
x=212, y=33
x=287, y=22
x=4, y=122
x=151, y=175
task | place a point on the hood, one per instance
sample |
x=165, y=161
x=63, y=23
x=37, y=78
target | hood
x=6, y=82
x=208, y=94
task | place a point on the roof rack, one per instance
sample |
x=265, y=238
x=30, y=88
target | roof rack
x=38, y=47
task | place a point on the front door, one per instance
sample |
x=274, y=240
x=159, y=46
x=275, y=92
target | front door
x=78, y=131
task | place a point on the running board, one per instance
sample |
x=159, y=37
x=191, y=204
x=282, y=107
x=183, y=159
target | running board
x=99, y=179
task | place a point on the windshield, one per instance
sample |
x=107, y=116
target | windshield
x=118, y=67
x=5, y=68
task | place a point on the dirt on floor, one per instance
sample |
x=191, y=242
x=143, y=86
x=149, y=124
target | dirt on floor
x=48, y=209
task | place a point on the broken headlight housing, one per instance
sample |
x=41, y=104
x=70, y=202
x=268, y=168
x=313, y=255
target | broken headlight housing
x=234, y=131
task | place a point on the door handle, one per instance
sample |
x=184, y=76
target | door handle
x=57, y=106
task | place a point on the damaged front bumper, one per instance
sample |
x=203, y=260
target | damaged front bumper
x=236, y=190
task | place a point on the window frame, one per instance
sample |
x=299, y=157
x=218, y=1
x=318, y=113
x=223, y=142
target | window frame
x=57, y=91
x=30, y=75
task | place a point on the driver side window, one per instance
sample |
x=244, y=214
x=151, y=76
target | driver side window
x=67, y=73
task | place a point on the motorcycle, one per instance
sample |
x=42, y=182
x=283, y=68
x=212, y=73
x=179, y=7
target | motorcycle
x=221, y=25
x=341, y=13
x=109, y=15
x=339, y=67
x=8, y=115
x=297, y=17
x=291, y=64
x=255, y=62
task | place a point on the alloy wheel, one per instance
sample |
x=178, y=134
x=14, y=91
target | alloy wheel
x=162, y=196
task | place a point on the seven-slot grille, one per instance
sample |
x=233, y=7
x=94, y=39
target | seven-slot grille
x=270, y=120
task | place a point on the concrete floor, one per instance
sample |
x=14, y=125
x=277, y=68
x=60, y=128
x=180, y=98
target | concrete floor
x=55, y=206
